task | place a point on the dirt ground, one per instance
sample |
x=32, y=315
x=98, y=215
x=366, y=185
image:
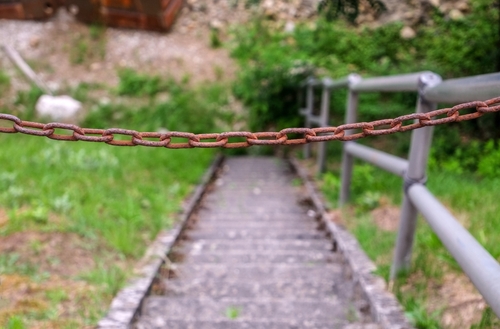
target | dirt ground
x=62, y=52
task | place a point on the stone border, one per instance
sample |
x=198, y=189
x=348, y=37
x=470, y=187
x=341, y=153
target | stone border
x=126, y=305
x=383, y=305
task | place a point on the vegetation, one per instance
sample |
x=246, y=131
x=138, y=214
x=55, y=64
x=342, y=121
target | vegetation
x=4, y=82
x=88, y=46
x=274, y=62
x=107, y=203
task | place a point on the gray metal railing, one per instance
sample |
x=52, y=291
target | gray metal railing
x=475, y=261
x=323, y=119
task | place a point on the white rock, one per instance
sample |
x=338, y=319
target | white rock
x=435, y=3
x=289, y=27
x=407, y=33
x=57, y=107
x=456, y=14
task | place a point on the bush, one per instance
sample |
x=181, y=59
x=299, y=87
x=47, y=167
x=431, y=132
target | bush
x=185, y=109
x=135, y=84
x=269, y=56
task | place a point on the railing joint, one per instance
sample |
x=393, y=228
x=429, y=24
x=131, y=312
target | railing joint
x=409, y=182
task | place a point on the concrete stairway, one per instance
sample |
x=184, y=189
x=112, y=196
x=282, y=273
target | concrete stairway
x=254, y=258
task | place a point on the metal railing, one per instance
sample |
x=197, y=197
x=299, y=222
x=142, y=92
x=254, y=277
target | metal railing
x=323, y=119
x=482, y=269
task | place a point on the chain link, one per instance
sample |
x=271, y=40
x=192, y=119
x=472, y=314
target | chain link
x=321, y=134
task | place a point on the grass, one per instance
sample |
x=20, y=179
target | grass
x=88, y=46
x=45, y=180
x=233, y=312
x=102, y=204
x=471, y=198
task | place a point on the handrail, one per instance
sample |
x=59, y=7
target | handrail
x=402, y=82
x=388, y=162
x=464, y=89
x=477, y=263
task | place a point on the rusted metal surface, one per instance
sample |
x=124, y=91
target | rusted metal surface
x=321, y=134
x=28, y=9
x=158, y=15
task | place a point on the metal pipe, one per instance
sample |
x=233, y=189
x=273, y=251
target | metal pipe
x=417, y=164
x=323, y=122
x=308, y=113
x=403, y=82
x=25, y=68
x=388, y=162
x=316, y=120
x=480, y=87
x=475, y=261
x=336, y=84
x=347, y=159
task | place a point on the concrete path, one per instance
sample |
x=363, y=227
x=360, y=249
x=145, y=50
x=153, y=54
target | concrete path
x=254, y=258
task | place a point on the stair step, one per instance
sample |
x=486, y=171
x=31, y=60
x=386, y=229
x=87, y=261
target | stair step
x=208, y=309
x=253, y=234
x=246, y=217
x=160, y=323
x=249, y=271
x=200, y=256
x=256, y=245
x=250, y=211
x=259, y=287
x=302, y=224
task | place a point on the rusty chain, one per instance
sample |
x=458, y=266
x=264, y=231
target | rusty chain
x=321, y=134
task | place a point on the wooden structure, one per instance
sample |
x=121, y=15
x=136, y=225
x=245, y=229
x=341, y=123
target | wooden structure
x=158, y=15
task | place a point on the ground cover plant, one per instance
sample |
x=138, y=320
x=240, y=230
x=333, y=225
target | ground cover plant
x=75, y=217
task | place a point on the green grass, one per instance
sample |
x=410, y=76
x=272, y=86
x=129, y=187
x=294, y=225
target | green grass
x=233, y=312
x=4, y=82
x=88, y=46
x=124, y=195
x=116, y=199
x=472, y=197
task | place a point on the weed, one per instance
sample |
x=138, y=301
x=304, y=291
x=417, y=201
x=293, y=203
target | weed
x=110, y=277
x=91, y=46
x=233, y=312
x=25, y=102
x=135, y=84
x=4, y=82
x=215, y=41
x=418, y=315
x=488, y=320
x=219, y=73
x=56, y=296
x=10, y=263
x=15, y=322
x=352, y=314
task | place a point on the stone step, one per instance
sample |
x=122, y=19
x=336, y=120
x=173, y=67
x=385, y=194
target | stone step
x=251, y=271
x=293, y=289
x=200, y=256
x=332, y=311
x=216, y=225
x=160, y=323
x=258, y=245
x=255, y=235
x=248, y=217
x=256, y=211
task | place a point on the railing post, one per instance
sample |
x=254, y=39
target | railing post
x=308, y=112
x=324, y=121
x=347, y=159
x=417, y=164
